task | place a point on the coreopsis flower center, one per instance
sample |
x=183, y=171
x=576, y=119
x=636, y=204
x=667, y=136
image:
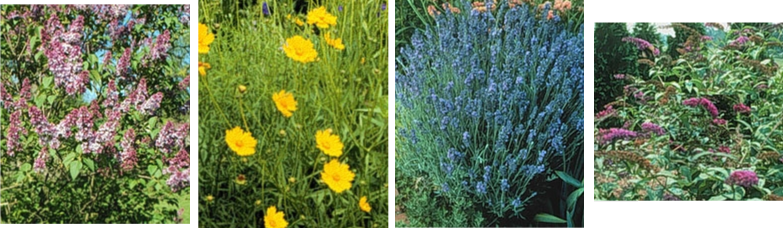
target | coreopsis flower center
x=336, y=177
x=239, y=144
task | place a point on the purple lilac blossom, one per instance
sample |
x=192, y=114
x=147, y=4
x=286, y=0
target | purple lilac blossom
x=161, y=46
x=14, y=127
x=40, y=161
x=741, y=108
x=128, y=155
x=152, y=104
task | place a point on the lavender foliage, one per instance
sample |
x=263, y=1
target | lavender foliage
x=488, y=103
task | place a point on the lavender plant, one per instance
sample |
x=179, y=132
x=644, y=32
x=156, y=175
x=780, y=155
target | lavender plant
x=490, y=104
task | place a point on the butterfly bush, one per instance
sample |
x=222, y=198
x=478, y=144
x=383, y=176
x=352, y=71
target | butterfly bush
x=494, y=102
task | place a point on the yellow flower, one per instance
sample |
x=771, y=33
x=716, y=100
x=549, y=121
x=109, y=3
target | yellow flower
x=336, y=43
x=328, y=143
x=285, y=102
x=299, y=22
x=210, y=198
x=258, y=202
x=202, y=68
x=300, y=49
x=274, y=219
x=205, y=37
x=321, y=18
x=337, y=176
x=241, y=142
x=241, y=179
x=364, y=205
x=242, y=88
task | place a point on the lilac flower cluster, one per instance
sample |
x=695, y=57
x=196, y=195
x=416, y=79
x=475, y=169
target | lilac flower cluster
x=487, y=107
x=745, y=178
x=704, y=102
x=40, y=161
x=179, y=168
x=63, y=48
x=128, y=155
x=14, y=128
x=172, y=137
x=161, y=47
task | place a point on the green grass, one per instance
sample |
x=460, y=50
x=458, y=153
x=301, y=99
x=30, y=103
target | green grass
x=344, y=90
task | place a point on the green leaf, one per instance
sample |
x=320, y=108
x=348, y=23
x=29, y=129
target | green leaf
x=76, y=167
x=151, y=170
x=90, y=164
x=132, y=183
x=68, y=159
x=51, y=99
x=40, y=99
x=717, y=198
x=47, y=81
x=151, y=122
x=574, y=197
x=25, y=167
x=568, y=179
x=547, y=218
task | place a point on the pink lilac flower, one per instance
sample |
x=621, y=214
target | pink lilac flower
x=746, y=178
x=170, y=138
x=84, y=122
x=162, y=45
x=106, y=58
x=741, y=108
x=185, y=83
x=724, y=149
x=14, y=127
x=63, y=129
x=112, y=96
x=128, y=155
x=5, y=98
x=46, y=131
x=651, y=127
x=123, y=65
x=152, y=104
x=40, y=161
x=719, y=121
x=179, y=180
x=619, y=76
x=25, y=92
x=609, y=111
x=63, y=51
x=611, y=134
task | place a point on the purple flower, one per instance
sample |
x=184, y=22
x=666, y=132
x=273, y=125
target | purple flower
x=64, y=53
x=640, y=43
x=740, y=41
x=609, y=111
x=128, y=155
x=619, y=76
x=719, y=121
x=152, y=104
x=40, y=161
x=5, y=98
x=724, y=149
x=607, y=136
x=481, y=187
x=704, y=102
x=124, y=63
x=171, y=138
x=46, y=131
x=179, y=178
x=741, y=108
x=14, y=127
x=84, y=122
x=651, y=127
x=162, y=45
x=746, y=178
x=340, y=8
x=265, y=9
x=112, y=96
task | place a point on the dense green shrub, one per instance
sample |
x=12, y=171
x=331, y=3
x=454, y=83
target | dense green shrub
x=490, y=113
x=612, y=56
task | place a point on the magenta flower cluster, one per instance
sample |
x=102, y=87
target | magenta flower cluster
x=609, y=111
x=609, y=135
x=654, y=128
x=745, y=178
x=179, y=168
x=740, y=41
x=741, y=108
x=63, y=48
x=642, y=44
x=128, y=154
x=704, y=102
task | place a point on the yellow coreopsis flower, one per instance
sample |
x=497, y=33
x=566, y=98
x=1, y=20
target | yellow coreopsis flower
x=364, y=205
x=321, y=18
x=300, y=49
x=274, y=219
x=337, y=176
x=205, y=37
x=202, y=68
x=241, y=142
x=328, y=143
x=241, y=180
x=336, y=43
x=299, y=22
x=285, y=102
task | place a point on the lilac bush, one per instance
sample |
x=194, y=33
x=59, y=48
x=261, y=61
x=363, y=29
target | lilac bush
x=75, y=117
